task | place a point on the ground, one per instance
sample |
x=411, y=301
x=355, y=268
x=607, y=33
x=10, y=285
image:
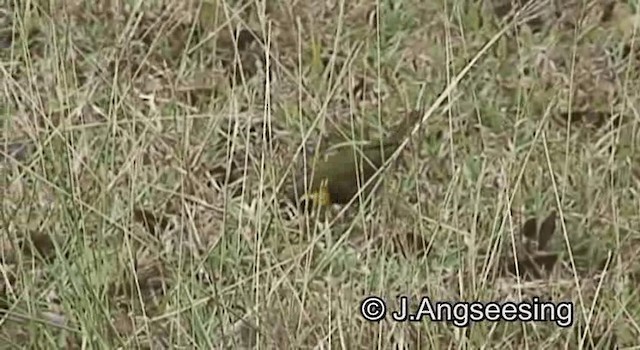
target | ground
x=147, y=155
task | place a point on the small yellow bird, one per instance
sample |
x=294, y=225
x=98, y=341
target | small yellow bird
x=338, y=179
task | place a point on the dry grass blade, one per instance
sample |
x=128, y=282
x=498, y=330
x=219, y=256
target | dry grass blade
x=40, y=244
x=589, y=119
x=45, y=318
x=231, y=43
x=6, y=29
x=123, y=324
x=154, y=224
x=411, y=244
x=532, y=13
x=18, y=150
x=227, y=175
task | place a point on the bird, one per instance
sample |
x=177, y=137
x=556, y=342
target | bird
x=338, y=178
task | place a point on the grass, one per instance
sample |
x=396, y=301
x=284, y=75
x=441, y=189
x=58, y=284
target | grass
x=146, y=159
